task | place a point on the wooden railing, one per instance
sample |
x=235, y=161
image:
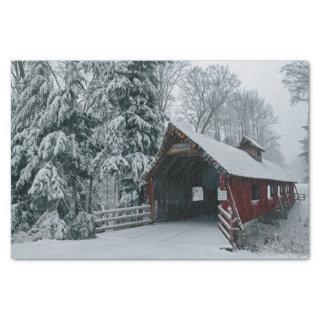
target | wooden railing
x=297, y=195
x=300, y=196
x=288, y=202
x=228, y=224
x=234, y=207
x=225, y=223
x=122, y=218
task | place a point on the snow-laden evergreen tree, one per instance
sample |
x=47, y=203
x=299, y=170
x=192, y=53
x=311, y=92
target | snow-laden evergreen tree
x=134, y=125
x=51, y=142
x=30, y=91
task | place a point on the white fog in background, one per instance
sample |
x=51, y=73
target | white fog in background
x=264, y=76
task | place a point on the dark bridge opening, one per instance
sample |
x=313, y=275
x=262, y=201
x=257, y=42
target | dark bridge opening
x=185, y=186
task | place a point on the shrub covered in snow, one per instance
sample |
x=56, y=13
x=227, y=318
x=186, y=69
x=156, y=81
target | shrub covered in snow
x=82, y=227
x=48, y=226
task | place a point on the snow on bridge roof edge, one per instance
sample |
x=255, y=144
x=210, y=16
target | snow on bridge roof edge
x=235, y=161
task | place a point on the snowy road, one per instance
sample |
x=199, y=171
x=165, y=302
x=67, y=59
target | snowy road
x=166, y=240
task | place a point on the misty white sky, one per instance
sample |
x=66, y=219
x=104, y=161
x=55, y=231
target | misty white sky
x=264, y=77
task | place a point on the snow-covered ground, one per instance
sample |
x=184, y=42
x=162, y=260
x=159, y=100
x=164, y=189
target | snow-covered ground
x=180, y=240
x=285, y=236
x=166, y=240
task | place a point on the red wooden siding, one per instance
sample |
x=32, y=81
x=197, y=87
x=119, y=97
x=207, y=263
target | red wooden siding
x=241, y=190
x=248, y=209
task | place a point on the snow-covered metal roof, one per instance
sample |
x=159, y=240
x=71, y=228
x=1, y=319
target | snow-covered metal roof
x=253, y=142
x=235, y=161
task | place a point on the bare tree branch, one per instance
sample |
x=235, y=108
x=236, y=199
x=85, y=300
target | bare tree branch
x=169, y=74
x=296, y=80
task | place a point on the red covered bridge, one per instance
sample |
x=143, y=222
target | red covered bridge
x=195, y=175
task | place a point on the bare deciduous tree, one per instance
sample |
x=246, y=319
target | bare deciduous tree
x=213, y=106
x=248, y=114
x=203, y=94
x=169, y=73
